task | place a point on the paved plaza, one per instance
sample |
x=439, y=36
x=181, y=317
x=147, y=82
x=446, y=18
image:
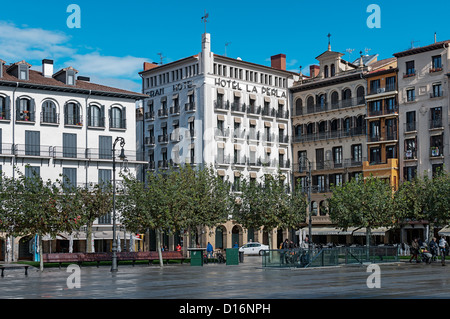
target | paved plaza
x=249, y=280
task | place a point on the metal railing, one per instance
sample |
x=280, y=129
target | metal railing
x=322, y=257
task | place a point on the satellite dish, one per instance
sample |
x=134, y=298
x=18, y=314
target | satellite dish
x=239, y=59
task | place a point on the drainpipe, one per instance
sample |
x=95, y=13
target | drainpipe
x=11, y=110
x=86, y=125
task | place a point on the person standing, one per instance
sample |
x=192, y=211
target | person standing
x=414, y=250
x=209, y=250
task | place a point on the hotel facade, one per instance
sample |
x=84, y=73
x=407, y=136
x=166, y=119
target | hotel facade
x=209, y=109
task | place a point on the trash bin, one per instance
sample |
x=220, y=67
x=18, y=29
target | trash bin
x=232, y=256
x=241, y=257
x=196, y=257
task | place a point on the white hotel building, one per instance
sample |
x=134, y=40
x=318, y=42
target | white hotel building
x=53, y=123
x=214, y=110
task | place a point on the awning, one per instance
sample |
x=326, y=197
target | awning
x=381, y=231
x=325, y=231
x=444, y=231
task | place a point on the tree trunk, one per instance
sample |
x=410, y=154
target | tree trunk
x=368, y=243
x=158, y=246
x=41, y=259
x=89, y=238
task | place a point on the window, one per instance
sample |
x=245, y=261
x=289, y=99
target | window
x=436, y=117
x=69, y=177
x=31, y=171
x=410, y=70
x=410, y=95
x=4, y=108
x=95, y=116
x=437, y=169
x=319, y=158
x=117, y=118
x=332, y=70
x=391, y=151
x=375, y=108
x=105, y=147
x=374, y=86
x=391, y=129
x=410, y=121
x=374, y=131
x=48, y=114
x=410, y=148
x=436, y=62
x=32, y=143
x=390, y=83
x=70, y=78
x=437, y=90
x=325, y=71
x=357, y=153
x=23, y=72
x=375, y=155
x=437, y=145
x=69, y=145
x=25, y=110
x=409, y=173
x=337, y=156
x=72, y=114
x=104, y=176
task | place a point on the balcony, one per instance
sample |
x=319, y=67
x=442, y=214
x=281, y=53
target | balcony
x=239, y=161
x=436, y=124
x=6, y=149
x=175, y=137
x=97, y=154
x=149, y=140
x=410, y=155
x=189, y=107
x=190, y=134
x=281, y=114
x=220, y=105
x=149, y=115
x=253, y=110
x=436, y=151
x=222, y=160
x=386, y=110
x=50, y=118
x=28, y=150
x=164, y=138
x=352, y=132
x=25, y=116
x=437, y=93
x=329, y=165
x=150, y=166
x=380, y=90
x=174, y=110
x=239, y=134
x=391, y=136
x=410, y=73
x=283, y=139
x=163, y=112
x=222, y=133
x=237, y=107
x=268, y=112
x=70, y=152
x=410, y=127
x=5, y=114
x=436, y=69
x=163, y=164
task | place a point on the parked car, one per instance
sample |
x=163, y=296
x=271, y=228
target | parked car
x=253, y=248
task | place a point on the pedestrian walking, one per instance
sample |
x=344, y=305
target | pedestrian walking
x=209, y=250
x=414, y=250
x=433, y=248
x=442, y=247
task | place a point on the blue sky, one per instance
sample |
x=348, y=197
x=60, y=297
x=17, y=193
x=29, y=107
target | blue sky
x=116, y=37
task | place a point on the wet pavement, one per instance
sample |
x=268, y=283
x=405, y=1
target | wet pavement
x=248, y=280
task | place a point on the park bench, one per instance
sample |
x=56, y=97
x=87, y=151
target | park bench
x=14, y=266
x=79, y=258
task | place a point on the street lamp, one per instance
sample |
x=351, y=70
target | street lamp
x=121, y=157
x=304, y=159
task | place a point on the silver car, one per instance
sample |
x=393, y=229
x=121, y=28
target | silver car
x=253, y=248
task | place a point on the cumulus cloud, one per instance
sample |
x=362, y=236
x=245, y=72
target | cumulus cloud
x=35, y=44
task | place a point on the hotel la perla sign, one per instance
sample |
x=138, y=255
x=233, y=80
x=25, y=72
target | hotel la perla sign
x=235, y=85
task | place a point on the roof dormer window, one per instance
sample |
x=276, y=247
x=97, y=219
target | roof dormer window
x=70, y=77
x=23, y=72
x=67, y=76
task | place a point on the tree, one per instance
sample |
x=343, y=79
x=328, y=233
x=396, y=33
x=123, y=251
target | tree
x=95, y=201
x=362, y=203
x=269, y=204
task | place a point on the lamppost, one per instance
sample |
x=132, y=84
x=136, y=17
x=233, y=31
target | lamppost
x=304, y=159
x=122, y=157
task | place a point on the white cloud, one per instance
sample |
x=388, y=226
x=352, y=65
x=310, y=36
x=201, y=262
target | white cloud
x=35, y=44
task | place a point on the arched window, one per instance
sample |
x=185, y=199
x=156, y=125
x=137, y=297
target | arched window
x=347, y=125
x=334, y=100
x=4, y=108
x=48, y=113
x=346, y=97
x=333, y=70
x=96, y=117
x=310, y=128
x=325, y=71
x=117, y=117
x=322, y=208
x=310, y=104
x=72, y=114
x=25, y=109
x=313, y=208
x=360, y=92
x=322, y=101
x=298, y=107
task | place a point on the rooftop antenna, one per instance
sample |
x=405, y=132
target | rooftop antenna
x=161, y=57
x=226, y=44
x=204, y=19
x=329, y=41
x=412, y=43
x=367, y=50
x=349, y=51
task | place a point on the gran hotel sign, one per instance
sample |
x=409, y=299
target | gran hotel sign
x=250, y=88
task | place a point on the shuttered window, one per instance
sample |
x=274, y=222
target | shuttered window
x=69, y=145
x=105, y=147
x=70, y=177
x=32, y=143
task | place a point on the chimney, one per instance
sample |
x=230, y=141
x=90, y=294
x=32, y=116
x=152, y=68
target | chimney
x=278, y=61
x=148, y=65
x=314, y=70
x=47, y=68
